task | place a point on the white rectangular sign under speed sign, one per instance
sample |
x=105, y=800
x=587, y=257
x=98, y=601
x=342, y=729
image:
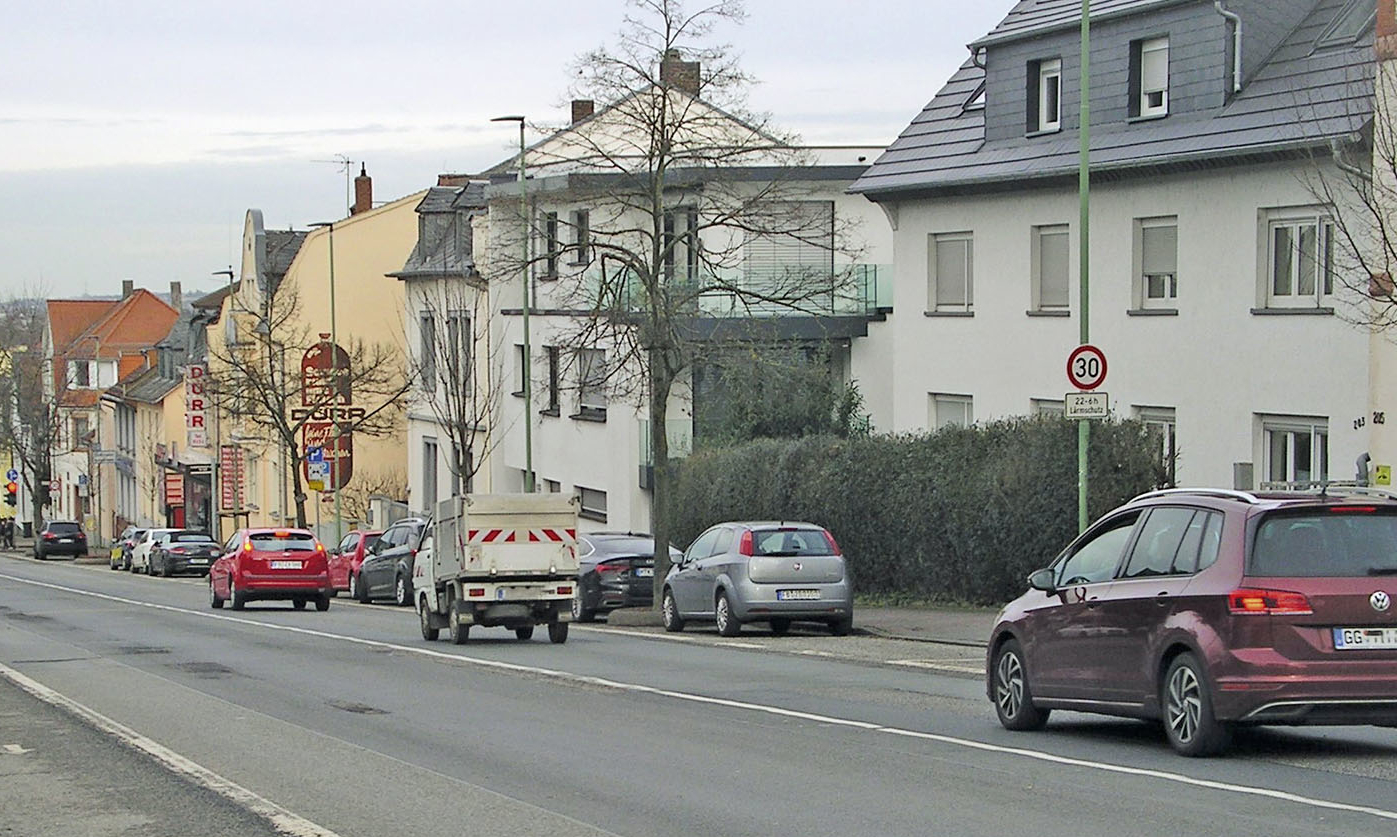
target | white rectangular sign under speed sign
x=1086, y=405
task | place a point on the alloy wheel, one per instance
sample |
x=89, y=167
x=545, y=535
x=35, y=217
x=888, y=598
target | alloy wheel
x=1184, y=705
x=1009, y=685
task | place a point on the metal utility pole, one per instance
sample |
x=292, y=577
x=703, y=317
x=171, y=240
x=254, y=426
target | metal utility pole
x=524, y=272
x=1084, y=250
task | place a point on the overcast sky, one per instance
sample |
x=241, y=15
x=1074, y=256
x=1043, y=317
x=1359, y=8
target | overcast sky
x=134, y=136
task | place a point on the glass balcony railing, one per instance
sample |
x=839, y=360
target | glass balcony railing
x=680, y=433
x=858, y=290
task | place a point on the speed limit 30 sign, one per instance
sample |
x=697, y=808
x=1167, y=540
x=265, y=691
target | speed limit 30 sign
x=1086, y=367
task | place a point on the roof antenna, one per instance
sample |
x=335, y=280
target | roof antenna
x=347, y=166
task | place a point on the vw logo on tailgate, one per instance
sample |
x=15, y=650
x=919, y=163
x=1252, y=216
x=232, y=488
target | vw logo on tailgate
x=1380, y=601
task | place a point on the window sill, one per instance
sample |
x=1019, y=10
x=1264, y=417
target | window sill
x=1046, y=132
x=1048, y=312
x=1146, y=117
x=1152, y=312
x=552, y=412
x=948, y=313
x=591, y=515
x=1293, y=312
x=595, y=414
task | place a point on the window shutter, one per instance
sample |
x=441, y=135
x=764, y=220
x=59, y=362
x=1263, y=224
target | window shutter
x=1154, y=69
x=1134, y=78
x=1052, y=269
x=952, y=267
x=1159, y=250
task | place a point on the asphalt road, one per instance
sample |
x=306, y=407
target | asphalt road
x=347, y=723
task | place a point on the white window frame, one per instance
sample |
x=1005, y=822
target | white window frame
x=947, y=409
x=591, y=380
x=1324, y=268
x=1150, y=88
x=1169, y=281
x=1163, y=421
x=431, y=485
x=1036, y=248
x=1049, y=79
x=1282, y=434
x=591, y=503
x=427, y=349
x=1047, y=407
x=958, y=239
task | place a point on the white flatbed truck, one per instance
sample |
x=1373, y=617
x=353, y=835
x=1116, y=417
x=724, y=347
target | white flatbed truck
x=498, y=560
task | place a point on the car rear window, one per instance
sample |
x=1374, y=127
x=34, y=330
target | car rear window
x=191, y=537
x=1338, y=541
x=790, y=542
x=282, y=541
x=65, y=528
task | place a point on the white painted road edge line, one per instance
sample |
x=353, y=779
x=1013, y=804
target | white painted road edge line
x=1037, y=755
x=281, y=819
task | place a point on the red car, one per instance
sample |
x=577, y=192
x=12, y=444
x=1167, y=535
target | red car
x=1210, y=609
x=279, y=564
x=345, y=561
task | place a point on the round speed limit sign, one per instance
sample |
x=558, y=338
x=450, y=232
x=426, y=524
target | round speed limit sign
x=1086, y=367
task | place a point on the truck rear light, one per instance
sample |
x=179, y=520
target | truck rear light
x=476, y=592
x=744, y=546
x=565, y=591
x=1249, y=601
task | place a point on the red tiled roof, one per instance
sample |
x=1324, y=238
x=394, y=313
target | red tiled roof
x=69, y=318
x=134, y=324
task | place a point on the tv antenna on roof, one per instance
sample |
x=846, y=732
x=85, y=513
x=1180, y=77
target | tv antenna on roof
x=347, y=165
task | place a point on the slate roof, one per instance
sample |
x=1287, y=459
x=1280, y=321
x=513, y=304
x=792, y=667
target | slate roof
x=282, y=247
x=444, y=243
x=147, y=386
x=1299, y=99
x=1034, y=17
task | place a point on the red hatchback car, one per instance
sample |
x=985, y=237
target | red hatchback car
x=346, y=559
x=281, y=564
x=1208, y=609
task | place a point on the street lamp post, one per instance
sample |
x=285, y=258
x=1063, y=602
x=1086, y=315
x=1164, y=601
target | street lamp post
x=216, y=525
x=335, y=384
x=524, y=272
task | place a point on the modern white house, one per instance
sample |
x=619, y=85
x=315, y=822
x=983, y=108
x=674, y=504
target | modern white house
x=585, y=428
x=1219, y=291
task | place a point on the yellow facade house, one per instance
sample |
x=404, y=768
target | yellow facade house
x=291, y=413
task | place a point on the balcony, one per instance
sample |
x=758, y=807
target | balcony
x=679, y=432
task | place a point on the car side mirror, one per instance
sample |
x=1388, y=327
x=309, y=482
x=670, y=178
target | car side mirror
x=1042, y=580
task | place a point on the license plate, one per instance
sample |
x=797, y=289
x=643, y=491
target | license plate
x=198, y=560
x=644, y=572
x=285, y=565
x=789, y=595
x=1347, y=639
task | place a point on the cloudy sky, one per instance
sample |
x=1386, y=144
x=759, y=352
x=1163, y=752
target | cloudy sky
x=134, y=136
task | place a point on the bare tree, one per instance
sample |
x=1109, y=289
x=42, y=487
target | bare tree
x=682, y=181
x=259, y=380
x=456, y=364
x=383, y=482
x=30, y=421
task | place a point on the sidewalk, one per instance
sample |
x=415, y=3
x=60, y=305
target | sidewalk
x=968, y=627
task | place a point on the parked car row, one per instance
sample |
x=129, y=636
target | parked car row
x=164, y=552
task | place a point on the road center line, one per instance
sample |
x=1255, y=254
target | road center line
x=1037, y=755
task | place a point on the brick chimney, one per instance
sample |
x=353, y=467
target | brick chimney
x=363, y=192
x=128, y=287
x=1387, y=32
x=176, y=297
x=679, y=74
x=581, y=109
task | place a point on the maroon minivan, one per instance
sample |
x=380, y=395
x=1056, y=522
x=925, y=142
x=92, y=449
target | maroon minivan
x=1207, y=609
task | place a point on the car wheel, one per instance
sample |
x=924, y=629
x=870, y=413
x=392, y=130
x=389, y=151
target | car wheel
x=428, y=632
x=115, y=565
x=236, y=596
x=723, y=615
x=1189, y=722
x=165, y=569
x=126, y=563
x=841, y=627
x=401, y=594
x=557, y=632
x=356, y=590
x=214, y=601
x=322, y=602
x=669, y=612
x=580, y=613
x=1013, y=699
x=455, y=630
x=779, y=627
x=525, y=633
x=298, y=604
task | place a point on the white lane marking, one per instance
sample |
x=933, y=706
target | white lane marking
x=939, y=665
x=281, y=819
x=1037, y=755
x=16, y=749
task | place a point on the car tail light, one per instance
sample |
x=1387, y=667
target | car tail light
x=48, y=536
x=281, y=533
x=834, y=547
x=178, y=550
x=1352, y=509
x=476, y=592
x=744, y=546
x=564, y=591
x=612, y=568
x=247, y=546
x=1252, y=601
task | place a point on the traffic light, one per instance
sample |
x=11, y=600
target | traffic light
x=12, y=493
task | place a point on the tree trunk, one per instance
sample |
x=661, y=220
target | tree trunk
x=297, y=494
x=660, y=383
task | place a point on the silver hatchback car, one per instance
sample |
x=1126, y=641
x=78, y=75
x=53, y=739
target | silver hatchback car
x=760, y=572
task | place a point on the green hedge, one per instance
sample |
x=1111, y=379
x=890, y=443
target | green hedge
x=962, y=515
